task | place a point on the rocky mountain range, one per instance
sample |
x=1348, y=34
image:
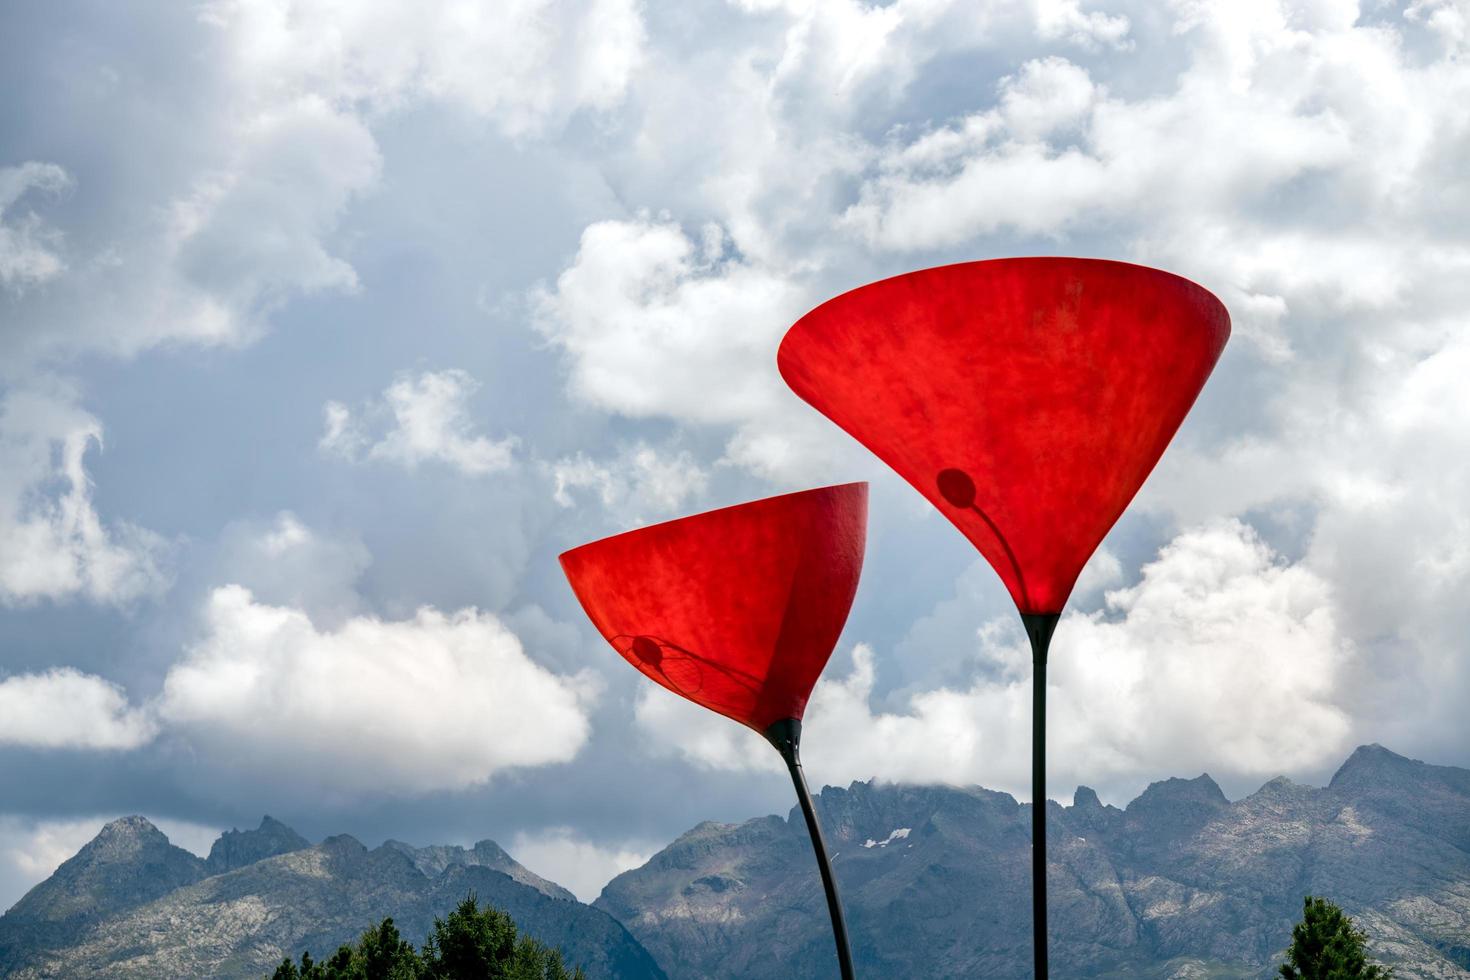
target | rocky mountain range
x=1180, y=884
x=132, y=905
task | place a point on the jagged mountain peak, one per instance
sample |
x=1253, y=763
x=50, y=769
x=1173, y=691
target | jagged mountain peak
x=126, y=833
x=126, y=841
x=1085, y=798
x=1184, y=883
x=1089, y=815
x=344, y=845
x=239, y=924
x=874, y=809
x=437, y=859
x=133, y=825
x=238, y=848
x=129, y=863
x=489, y=848
x=1373, y=763
x=1202, y=790
x=1283, y=787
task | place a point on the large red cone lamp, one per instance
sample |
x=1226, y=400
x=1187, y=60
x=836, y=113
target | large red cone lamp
x=1028, y=399
x=737, y=610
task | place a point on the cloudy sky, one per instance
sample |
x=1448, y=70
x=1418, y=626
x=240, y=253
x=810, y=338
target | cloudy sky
x=326, y=325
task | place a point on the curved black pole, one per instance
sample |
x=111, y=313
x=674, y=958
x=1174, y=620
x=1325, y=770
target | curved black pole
x=1039, y=628
x=785, y=735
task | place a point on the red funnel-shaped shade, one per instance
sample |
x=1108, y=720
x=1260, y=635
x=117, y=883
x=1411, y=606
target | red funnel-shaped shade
x=735, y=609
x=1028, y=399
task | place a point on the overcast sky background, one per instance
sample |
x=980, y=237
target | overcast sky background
x=326, y=325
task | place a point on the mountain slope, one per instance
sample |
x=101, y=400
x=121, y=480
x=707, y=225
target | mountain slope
x=239, y=848
x=437, y=859
x=243, y=922
x=129, y=863
x=1182, y=883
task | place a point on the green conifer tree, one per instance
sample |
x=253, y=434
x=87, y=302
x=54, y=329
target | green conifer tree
x=1325, y=946
x=482, y=943
x=471, y=944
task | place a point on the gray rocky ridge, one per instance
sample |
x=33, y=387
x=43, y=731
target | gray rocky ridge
x=131, y=905
x=128, y=864
x=437, y=859
x=1182, y=883
x=238, y=848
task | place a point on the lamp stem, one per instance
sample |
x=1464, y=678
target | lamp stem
x=785, y=735
x=1039, y=628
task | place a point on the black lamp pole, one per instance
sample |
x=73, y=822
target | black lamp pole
x=1039, y=628
x=786, y=737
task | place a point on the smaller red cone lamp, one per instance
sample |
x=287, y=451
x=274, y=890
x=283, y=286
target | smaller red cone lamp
x=1028, y=399
x=737, y=610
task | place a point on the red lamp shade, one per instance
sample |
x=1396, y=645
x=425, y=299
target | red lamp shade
x=735, y=609
x=1028, y=399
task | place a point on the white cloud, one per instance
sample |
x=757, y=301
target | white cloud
x=1066, y=20
x=216, y=246
x=663, y=320
x=1447, y=18
x=836, y=52
x=28, y=247
x=310, y=79
x=36, y=849
x=249, y=234
x=577, y=864
x=1342, y=120
x=800, y=89
x=285, y=563
x=63, y=708
x=1103, y=570
x=308, y=686
x=1219, y=658
x=439, y=701
x=53, y=544
x=1305, y=162
x=657, y=325
x=1058, y=153
x=524, y=64
x=681, y=728
x=421, y=418
x=1302, y=160
x=321, y=71
x=1048, y=97
x=238, y=188
x=636, y=484
x=1372, y=445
